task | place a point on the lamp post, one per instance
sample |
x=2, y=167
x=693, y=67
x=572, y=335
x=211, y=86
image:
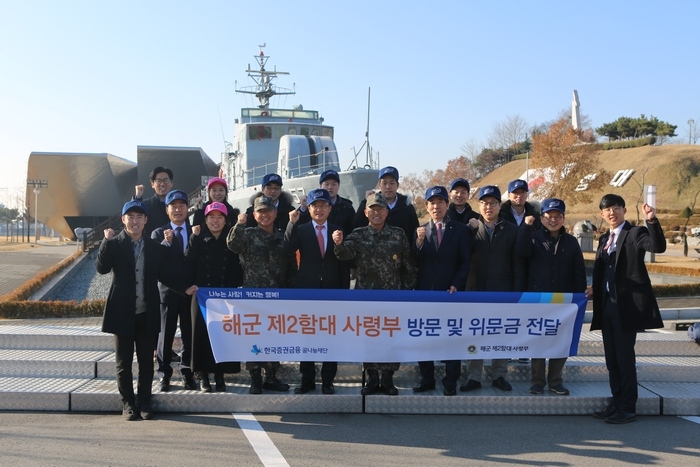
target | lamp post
x=37, y=183
x=691, y=122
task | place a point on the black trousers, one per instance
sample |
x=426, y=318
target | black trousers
x=124, y=352
x=453, y=370
x=620, y=359
x=169, y=314
x=308, y=372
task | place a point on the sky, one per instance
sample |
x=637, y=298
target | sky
x=105, y=77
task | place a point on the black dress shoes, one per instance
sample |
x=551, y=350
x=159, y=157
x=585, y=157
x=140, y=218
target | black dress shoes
x=188, y=382
x=621, y=417
x=328, y=389
x=608, y=411
x=304, y=388
x=273, y=384
x=423, y=387
x=450, y=391
x=470, y=386
x=146, y=410
x=129, y=412
x=164, y=384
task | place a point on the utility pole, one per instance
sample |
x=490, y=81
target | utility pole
x=37, y=184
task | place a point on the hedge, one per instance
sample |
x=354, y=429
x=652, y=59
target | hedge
x=633, y=143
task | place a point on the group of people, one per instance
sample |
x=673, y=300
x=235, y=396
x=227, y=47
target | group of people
x=160, y=259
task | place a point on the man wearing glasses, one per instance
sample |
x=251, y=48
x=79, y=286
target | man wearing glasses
x=497, y=266
x=162, y=183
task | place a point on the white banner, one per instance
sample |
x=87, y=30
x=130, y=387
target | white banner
x=388, y=326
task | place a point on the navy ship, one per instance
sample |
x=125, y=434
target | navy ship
x=294, y=143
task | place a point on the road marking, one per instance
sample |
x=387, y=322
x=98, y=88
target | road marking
x=692, y=419
x=266, y=450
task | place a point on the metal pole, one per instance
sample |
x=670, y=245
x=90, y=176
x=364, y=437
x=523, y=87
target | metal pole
x=36, y=214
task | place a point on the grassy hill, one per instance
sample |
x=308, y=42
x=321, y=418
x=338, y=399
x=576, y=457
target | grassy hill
x=674, y=169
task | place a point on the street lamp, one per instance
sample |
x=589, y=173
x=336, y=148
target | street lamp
x=691, y=122
x=37, y=183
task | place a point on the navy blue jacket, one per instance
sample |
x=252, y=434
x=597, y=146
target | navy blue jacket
x=446, y=266
x=555, y=264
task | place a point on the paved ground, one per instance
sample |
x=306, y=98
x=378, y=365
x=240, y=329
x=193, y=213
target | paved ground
x=314, y=440
x=17, y=267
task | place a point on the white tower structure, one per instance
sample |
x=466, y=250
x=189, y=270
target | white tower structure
x=575, y=115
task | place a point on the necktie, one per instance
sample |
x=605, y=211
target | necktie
x=178, y=236
x=609, y=247
x=319, y=237
x=438, y=229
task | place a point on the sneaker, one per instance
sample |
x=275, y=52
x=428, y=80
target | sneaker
x=559, y=389
x=129, y=412
x=501, y=384
x=470, y=386
x=536, y=389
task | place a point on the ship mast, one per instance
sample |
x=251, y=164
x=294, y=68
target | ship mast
x=264, y=88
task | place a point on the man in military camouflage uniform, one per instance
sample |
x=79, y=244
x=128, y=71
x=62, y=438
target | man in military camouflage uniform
x=382, y=255
x=267, y=263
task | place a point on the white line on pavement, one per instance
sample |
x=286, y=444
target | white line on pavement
x=692, y=419
x=266, y=450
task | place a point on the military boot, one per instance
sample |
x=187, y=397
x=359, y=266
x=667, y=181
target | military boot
x=372, y=385
x=388, y=387
x=256, y=381
x=272, y=383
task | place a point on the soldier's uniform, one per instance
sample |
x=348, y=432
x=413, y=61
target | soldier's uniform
x=267, y=262
x=383, y=260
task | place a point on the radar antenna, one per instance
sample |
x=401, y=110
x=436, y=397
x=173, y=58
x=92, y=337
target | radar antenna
x=264, y=88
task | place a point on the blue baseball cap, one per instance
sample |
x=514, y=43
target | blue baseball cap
x=319, y=194
x=329, y=174
x=272, y=178
x=389, y=170
x=517, y=185
x=459, y=182
x=134, y=205
x=175, y=195
x=490, y=190
x=440, y=191
x=553, y=204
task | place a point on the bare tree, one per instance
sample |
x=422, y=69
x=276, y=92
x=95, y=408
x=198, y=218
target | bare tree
x=471, y=149
x=509, y=133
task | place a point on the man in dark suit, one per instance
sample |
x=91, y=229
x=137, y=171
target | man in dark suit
x=132, y=312
x=319, y=268
x=342, y=210
x=497, y=265
x=442, y=252
x=175, y=234
x=161, y=182
x=623, y=300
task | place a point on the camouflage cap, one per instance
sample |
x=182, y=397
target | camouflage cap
x=262, y=203
x=377, y=199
